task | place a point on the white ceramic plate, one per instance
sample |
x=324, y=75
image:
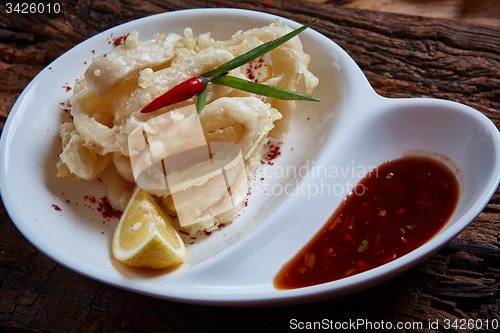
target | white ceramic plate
x=351, y=131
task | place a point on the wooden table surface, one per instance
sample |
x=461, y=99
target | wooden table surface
x=402, y=56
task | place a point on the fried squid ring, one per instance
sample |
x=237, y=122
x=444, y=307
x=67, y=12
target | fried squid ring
x=77, y=161
x=111, y=67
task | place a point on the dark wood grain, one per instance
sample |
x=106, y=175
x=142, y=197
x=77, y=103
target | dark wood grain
x=402, y=56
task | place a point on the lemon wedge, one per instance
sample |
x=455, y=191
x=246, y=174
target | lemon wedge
x=145, y=235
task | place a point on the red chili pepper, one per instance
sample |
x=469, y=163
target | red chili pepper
x=179, y=93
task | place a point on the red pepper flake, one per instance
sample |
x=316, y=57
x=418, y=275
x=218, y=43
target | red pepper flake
x=273, y=154
x=65, y=105
x=267, y=4
x=250, y=74
x=362, y=265
x=208, y=233
x=327, y=252
x=106, y=209
x=120, y=40
x=348, y=272
x=349, y=238
x=68, y=88
x=390, y=258
x=56, y=207
x=183, y=232
x=252, y=67
x=50, y=67
x=90, y=198
x=93, y=51
x=424, y=203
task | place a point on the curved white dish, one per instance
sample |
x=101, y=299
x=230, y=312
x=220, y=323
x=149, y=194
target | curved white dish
x=352, y=130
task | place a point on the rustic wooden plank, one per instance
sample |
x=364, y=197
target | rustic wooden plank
x=402, y=57
x=480, y=12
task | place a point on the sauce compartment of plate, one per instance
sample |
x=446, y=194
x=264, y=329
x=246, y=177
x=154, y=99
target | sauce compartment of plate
x=449, y=132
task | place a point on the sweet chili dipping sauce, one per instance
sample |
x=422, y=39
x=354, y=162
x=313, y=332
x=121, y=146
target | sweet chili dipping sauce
x=396, y=208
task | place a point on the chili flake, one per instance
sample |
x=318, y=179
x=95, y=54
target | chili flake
x=106, y=209
x=120, y=40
